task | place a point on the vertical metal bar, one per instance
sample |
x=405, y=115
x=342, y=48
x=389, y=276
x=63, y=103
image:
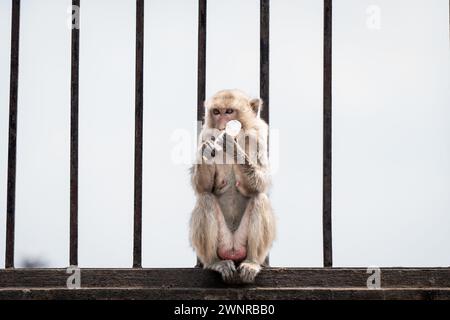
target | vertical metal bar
x=12, y=135
x=74, y=138
x=201, y=71
x=327, y=121
x=139, y=106
x=264, y=29
x=264, y=57
x=201, y=60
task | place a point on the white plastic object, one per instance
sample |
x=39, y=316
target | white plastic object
x=232, y=129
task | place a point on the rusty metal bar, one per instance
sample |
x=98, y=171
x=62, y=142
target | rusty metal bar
x=264, y=57
x=12, y=135
x=74, y=138
x=264, y=30
x=327, y=59
x=201, y=71
x=139, y=106
x=201, y=59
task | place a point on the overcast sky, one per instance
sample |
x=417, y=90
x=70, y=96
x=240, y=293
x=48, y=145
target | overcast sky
x=391, y=132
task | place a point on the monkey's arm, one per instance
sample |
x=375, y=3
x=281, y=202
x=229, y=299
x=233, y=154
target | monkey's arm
x=203, y=172
x=251, y=170
x=202, y=177
x=251, y=179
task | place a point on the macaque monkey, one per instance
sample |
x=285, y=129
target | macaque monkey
x=232, y=226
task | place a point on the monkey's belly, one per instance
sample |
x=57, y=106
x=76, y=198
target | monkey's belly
x=232, y=206
x=235, y=254
x=232, y=203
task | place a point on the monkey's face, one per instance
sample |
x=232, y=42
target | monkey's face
x=229, y=105
x=221, y=116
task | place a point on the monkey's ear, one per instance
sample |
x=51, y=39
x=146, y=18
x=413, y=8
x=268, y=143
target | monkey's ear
x=256, y=104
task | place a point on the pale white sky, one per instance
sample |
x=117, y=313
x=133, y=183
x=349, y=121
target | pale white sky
x=391, y=138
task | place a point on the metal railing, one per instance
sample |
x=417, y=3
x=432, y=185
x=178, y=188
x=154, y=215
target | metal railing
x=201, y=79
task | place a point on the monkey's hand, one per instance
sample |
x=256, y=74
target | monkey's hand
x=207, y=151
x=232, y=148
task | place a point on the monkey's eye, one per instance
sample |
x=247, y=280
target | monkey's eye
x=216, y=111
x=229, y=111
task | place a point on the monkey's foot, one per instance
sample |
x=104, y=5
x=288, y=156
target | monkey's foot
x=248, y=271
x=226, y=269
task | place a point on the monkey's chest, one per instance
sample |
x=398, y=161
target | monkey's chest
x=231, y=201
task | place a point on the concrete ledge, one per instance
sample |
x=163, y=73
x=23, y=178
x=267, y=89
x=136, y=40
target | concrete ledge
x=193, y=283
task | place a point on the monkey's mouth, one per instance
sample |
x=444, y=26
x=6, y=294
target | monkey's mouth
x=223, y=125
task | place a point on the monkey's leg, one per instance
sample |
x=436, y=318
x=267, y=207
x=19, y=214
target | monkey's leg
x=260, y=231
x=205, y=233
